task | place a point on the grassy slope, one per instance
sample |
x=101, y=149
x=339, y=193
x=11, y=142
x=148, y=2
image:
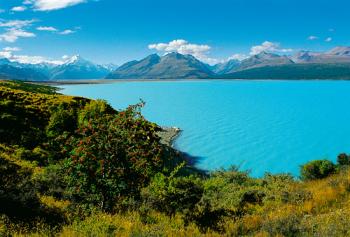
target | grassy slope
x=273, y=206
x=325, y=212
x=26, y=108
x=28, y=87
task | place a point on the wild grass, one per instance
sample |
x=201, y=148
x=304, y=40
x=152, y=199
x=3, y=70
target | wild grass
x=35, y=199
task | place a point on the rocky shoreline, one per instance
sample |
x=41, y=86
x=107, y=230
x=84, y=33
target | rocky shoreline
x=169, y=134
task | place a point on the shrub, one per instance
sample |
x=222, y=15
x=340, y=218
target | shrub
x=19, y=200
x=51, y=181
x=173, y=194
x=343, y=159
x=285, y=225
x=93, y=111
x=317, y=169
x=113, y=156
x=62, y=119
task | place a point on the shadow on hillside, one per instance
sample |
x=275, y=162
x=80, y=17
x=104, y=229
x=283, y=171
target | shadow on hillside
x=176, y=158
x=191, y=162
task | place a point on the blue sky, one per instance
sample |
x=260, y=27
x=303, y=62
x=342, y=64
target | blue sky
x=118, y=31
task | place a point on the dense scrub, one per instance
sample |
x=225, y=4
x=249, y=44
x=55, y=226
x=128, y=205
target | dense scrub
x=70, y=166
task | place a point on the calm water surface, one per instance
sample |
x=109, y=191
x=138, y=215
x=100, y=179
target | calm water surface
x=261, y=126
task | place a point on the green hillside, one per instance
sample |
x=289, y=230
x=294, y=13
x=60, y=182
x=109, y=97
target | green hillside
x=71, y=166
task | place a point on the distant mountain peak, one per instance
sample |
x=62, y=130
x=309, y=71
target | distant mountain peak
x=302, y=56
x=4, y=61
x=152, y=57
x=264, y=59
x=340, y=51
x=173, y=55
x=338, y=54
x=226, y=67
x=263, y=53
x=75, y=59
x=266, y=55
x=110, y=66
x=77, y=67
x=170, y=66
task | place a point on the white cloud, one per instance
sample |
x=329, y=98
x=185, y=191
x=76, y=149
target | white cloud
x=180, y=46
x=268, y=46
x=46, y=28
x=183, y=47
x=49, y=5
x=312, y=37
x=27, y=2
x=53, y=29
x=5, y=54
x=16, y=23
x=14, y=30
x=67, y=32
x=201, y=52
x=28, y=59
x=329, y=39
x=34, y=59
x=11, y=49
x=19, y=9
x=238, y=57
x=65, y=57
x=12, y=34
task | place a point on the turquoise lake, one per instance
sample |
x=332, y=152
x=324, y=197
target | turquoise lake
x=261, y=126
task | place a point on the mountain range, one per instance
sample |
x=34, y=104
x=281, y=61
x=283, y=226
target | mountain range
x=78, y=68
x=73, y=68
x=170, y=66
x=333, y=64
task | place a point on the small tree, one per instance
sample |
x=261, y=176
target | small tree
x=113, y=157
x=317, y=169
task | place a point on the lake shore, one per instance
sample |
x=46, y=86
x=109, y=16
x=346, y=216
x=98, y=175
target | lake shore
x=108, y=81
x=168, y=135
x=111, y=81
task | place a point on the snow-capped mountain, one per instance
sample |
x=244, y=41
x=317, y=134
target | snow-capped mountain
x=110, y=66
x=175, y=65
x=77, y=67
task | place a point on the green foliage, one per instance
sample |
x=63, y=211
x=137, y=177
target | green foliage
x=173, y=194
x=343, y=159
x=51, y=182
x=317, y=169
x=63, y=119
x=113, y=156
x=29, y=87
x=183, y=195
x=67, y=161
x=288, y=226
x=19, y=200
x=25, y=114
x=16, y=189
x=93, y=111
